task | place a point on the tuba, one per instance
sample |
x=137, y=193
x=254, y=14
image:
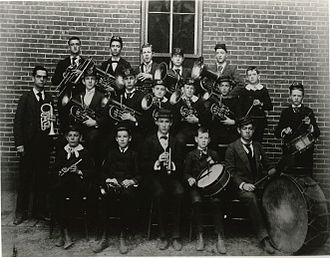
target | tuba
x=171, y=79
x=71, y=77
x=117, y=109
x=46, y=118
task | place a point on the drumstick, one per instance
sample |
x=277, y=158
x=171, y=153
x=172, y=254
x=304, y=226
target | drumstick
x=248, y=112
x=261, y=180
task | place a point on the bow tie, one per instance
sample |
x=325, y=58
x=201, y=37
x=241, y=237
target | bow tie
x=129, y=95
x=201, y=153
x=114, y=61
x=177, y=71
x=163, y=137
x=296, y=109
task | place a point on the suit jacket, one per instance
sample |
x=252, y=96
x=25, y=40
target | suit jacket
x=151, y=151
x=146, y=85
x=61, y=67
x=231, y=71
x=122, y=64
x=194, y=163
x=294, y=120
x=27, y=118
x=121, y=165
x=238, y=165
x=95, y=105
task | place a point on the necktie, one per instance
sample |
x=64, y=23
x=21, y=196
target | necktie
x=40, y=100
x=177, y=71
x=249, y=154
x=296, y=109
x=73, y=60
x=220, y=69
x=129, y=95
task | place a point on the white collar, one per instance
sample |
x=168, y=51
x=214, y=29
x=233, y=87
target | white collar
x=123, y=150
x=254, y=87
x=145, y=64
x=245, y=142
x=177, y=68
x=35, y=91
x=115, y=59
x=74, y=150
x=223, y=64
x=89, y=92
x=159, y=135
x=194, y=98
x=72, y=56
x=200, y=149
x=164, y=99
x=299, y=106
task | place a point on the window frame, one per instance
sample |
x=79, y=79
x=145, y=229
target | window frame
x=198, y=28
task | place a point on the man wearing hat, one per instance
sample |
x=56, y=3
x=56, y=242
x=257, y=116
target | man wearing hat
x=222, y=111
x=245, y=161
x=92, y=101
x=297, y=120
x=131, y=98
x=177, y=59
x=115, y=64
x=189, y=113
x=161, y=161
x=223, y=68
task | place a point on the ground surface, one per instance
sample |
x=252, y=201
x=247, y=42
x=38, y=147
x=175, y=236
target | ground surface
x=31, y=238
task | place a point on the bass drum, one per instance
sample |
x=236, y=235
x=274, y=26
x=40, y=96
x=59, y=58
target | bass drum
x=296, y=212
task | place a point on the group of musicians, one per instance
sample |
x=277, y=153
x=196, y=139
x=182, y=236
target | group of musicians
x=124, y=129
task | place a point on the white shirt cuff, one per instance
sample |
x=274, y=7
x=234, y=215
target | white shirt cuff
x=241, y=186
x=157, y=165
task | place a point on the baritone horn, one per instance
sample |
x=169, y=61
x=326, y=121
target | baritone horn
x=171, y=79
x=46, y=118
x=149, y=100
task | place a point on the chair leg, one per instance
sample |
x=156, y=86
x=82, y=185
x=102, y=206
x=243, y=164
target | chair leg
x=150, y=220
x=85, y=217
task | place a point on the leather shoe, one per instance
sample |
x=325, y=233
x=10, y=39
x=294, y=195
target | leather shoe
x=200, y=242
x=101, y=245
x=19, y=219
x=266, y=245
x=177, y=244
x=163, y=244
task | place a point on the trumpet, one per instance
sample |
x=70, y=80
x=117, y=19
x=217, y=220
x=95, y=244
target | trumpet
x=72, y=77
x=81, y=113
x=117, y=109
x=168, y=163
x=46, y=118
x=149, y=100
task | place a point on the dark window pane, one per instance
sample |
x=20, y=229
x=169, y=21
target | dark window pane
x=159, y=6
x=159, y=30
x=183, y=6
x=183, y=32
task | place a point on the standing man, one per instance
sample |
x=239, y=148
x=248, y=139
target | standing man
x=64, y=68
x=223, y=68
x=145, y=71
x=115, y=64
x=32, y=125
x=246, y=162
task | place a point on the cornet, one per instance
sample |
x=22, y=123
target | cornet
x=187, y=110
x=117, y=109
x=46, y=118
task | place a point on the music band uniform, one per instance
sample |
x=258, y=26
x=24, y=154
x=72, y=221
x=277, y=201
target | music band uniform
x=37, y=144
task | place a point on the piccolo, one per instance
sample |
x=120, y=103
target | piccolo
x=61, y=173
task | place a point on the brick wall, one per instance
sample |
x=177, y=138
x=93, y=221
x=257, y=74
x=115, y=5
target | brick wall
x=287, y=40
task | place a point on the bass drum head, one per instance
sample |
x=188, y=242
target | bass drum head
x=286, y=214
x=213, y=173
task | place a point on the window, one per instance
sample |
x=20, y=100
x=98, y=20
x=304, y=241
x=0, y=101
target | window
x=172, y=23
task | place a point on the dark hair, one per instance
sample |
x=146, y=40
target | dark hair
x=297, y=86
x=74, y=38
x=202, y=130
x=123, y=128
x=252, y=68
x=73, y=128
x=118, y=39
x=145, y=46
x=39, y=68
x=246, y=120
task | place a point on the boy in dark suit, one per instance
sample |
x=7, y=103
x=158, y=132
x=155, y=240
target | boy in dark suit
x=33, y=144
x=246, y=162
x=223, y=68
x=74, y=169
x=120, y=178
x=160, y=161
x=145, y=71
x=295, y=121
x=196, y=161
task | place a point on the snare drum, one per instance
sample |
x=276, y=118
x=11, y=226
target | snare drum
x=300, y=143
x=212, y=180
x=297, y=213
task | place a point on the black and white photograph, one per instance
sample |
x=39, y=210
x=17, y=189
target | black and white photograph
x=164, y=128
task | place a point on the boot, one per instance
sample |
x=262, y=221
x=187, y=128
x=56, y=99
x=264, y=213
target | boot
x=67, y=239
x=60, y=241
x=122, y=244
x=200, y=242
x=221, y=248
x=102, y=244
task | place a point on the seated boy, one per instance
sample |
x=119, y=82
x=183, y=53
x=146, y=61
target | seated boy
x=120, y=178
x=197, y=160
x=75, y=169
x=246, y=162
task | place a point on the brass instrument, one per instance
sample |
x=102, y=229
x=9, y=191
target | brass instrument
x=187, y=110
x=71, y=76
x=108, y=83
x=149, y=100
x=169, y=167
x=117, y=109
x=201, y=71
x=220, y=111
x=81, y=113
x=171, y=79
x=145, y=85
x=46, y=118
